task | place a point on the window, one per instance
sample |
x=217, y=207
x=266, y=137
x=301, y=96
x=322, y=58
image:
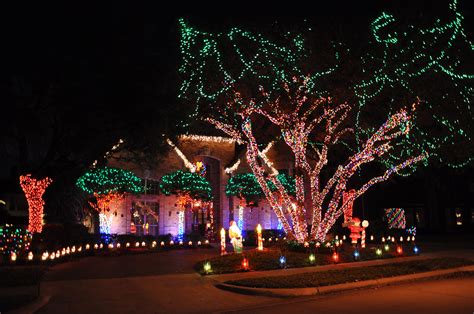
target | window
x=145, y=217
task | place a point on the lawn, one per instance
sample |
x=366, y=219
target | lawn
x=270, y=259
x=332, y=277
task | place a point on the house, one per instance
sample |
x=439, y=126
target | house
x=155, y=214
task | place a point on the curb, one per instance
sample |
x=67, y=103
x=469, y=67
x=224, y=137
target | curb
x=32, y=307
x=311, y=291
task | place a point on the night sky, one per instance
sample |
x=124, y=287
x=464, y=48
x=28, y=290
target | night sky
x=118, y=64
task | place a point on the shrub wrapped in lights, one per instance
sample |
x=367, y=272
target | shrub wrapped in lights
x=108, y=185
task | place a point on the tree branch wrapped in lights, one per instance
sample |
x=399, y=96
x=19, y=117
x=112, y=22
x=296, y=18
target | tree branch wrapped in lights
x=299, y=117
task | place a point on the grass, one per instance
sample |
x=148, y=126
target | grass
x=269, y=259
x=332, y=277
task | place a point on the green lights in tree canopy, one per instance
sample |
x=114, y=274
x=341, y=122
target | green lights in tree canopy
x=246, y=186
x=429, y=60
x=186, y=183
x=106, y=180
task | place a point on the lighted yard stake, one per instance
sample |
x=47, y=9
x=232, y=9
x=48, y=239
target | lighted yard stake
x=282, y=261
x=386, y=247
x=30, y=256
x=335, y=257
x=399, y=249
x=207, y=267
x=259, y=238
x=223, y=252
x=245, y=264
x=356, y=254
x=312, y=258
x=416, y=249
x=378, y=252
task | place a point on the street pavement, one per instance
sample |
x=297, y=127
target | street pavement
x=450, y=296
x=166, y=283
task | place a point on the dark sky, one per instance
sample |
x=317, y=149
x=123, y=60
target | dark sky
x=122, y=60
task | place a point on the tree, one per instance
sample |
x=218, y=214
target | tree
x=186, y=184
x=299, y=118
x=246, y=187
x=379, y=72
x=251, y=87
x=108, y=185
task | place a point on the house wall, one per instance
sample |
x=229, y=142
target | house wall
x=219, y=154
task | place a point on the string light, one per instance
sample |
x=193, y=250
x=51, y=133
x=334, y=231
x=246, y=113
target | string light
x=232, y=168
x=34, y=190
x=223, y=251
x=259, y=238
x=107, y=180
x=395, y=218
x=296, y=127
x=186, y=183
x=406, y=58
x=204, y=138
x=240, y=219
x=180, y=225
x=276, y=68
x=181, y=155
x=14, y=239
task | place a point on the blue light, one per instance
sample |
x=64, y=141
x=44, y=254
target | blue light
x=282, y=260
x=416, y=250
x=356, y=254
x=280, y=225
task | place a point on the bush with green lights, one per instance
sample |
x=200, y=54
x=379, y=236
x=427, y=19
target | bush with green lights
x=184, y=182
x=106, y=180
